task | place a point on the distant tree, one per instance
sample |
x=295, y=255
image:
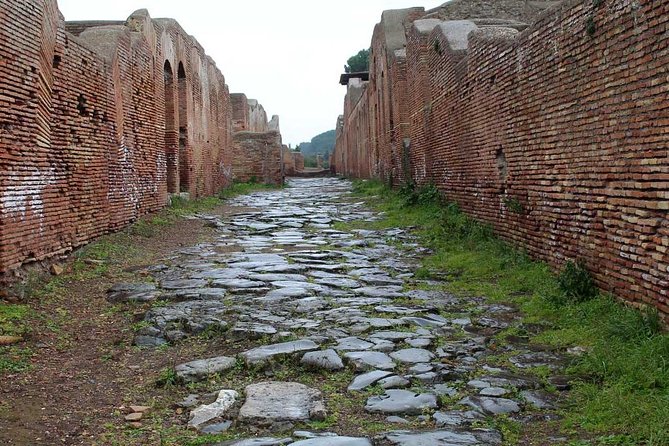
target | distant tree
x=357, y=63
x=297, y=148
x=319, y=143
x=310, y=161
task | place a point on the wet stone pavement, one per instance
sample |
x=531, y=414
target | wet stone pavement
x=281, y=278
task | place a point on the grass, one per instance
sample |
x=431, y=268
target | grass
x=621, y=394
x=11, y=319
x=13, y=358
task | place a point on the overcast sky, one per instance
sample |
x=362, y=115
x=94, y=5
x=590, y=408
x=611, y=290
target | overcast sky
x=287, y=54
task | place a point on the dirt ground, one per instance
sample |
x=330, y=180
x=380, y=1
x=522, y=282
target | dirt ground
x=84, y=369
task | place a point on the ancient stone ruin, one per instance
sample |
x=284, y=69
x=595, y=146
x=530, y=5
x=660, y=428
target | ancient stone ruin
x=306, y=315
x=100, y=122
x=256, y=143
x=547, y=120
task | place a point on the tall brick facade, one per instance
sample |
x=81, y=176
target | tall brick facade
x=557, y=134
x=99, y=123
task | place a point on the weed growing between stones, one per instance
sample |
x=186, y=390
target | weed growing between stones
x=576, y=283
x=167, y=378
x=622, y=372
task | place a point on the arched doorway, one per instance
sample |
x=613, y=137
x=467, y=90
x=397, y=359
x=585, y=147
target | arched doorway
x=171, y=134
x=184, y=162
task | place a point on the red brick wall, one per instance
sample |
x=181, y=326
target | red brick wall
x=419, y=101
x=258, y=156
x=399, y=155
x=92, y=136
x=387, y=90
x=557, y=136
x=288, y=161
x=353, y=139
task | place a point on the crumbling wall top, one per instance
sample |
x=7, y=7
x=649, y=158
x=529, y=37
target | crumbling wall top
x=274, y=124
x=393, y=25
x=104, y=40
x=457, y=33
x=425, y=26
x=516, y=10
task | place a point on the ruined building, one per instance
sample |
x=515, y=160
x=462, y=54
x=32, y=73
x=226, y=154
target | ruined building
x=548, y=120
x=257, y=152
x=101, y=121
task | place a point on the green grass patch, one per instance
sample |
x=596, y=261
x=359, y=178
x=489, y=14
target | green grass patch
x=621, y=395
x=14, y=321
x=12, y=318
x=14, y=359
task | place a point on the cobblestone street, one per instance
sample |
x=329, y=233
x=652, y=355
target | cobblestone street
x=298, y=293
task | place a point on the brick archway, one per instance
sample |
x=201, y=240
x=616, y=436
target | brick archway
x=171, y=131
x=184, y=161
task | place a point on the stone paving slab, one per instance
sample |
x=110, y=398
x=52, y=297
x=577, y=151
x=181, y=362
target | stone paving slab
x=264, y=353
x=269, y=402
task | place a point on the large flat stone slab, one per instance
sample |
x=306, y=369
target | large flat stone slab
x=435, y=438
x=250, y=330
x=370, y=360
x=263, y=354
x=456, y=418
x=262, y=441
x=365, y=380
x=273, y=401
x=393, y=335
x=182, y=284
x=401, y=402
x=200, y=369
x=491, y=406
x=412, y=355
x=333, y=441
x=326, y=359
x=353, y=344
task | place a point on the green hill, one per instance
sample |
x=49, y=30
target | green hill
x=323, y=144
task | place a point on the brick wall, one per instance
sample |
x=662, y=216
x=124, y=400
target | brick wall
x=385, y=91
x=289, y=161
x=240, y=112
x=248, y=115
x=258, y=156
x=97, y=129
x=556, y=135
x=354, y=132
x=257, y=151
